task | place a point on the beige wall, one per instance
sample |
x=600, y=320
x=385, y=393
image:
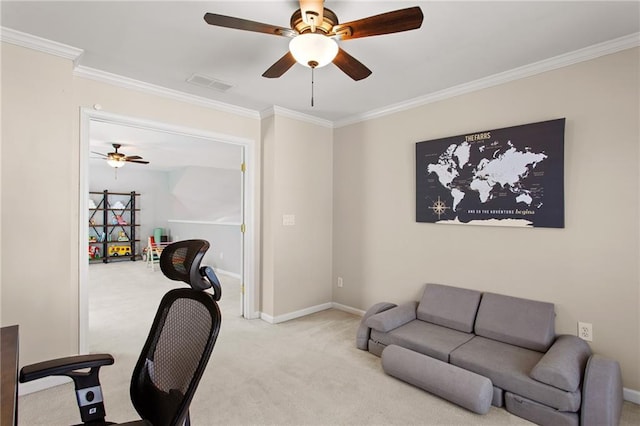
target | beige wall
x=39, y=273
x=589, y=269
x=41, y=101
x=297, y=181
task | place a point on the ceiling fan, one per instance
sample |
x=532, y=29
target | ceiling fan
x=314, y=31
x=117, y=159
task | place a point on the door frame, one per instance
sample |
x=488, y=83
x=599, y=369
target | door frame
x=250, y=245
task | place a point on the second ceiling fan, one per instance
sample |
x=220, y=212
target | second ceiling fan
x=314, y=31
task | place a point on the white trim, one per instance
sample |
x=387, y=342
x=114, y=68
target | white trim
x=204, y=222
x=348, y=309
x=266, y=318
x=284, y=112
x=141, y=86
x=142, y=123
x=297, y=314
x=42, y=384
x=311, y=310
x=40, y=44
x=560, y=61
x=591, y=52
x=83, y=232
x=250, y=237
x=631, y=395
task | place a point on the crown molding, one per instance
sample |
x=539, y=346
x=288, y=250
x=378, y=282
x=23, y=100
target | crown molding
x=40, y=44
x=592, y=52
x=284, y=112
x=141, y=86
x=9, y=35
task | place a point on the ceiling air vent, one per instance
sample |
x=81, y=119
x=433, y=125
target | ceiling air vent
x=211, y=83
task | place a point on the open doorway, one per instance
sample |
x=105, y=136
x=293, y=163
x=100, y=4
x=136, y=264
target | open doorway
x=176, y=198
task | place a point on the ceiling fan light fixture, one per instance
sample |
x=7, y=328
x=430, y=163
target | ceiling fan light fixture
x=313, y=50
x=115, y=163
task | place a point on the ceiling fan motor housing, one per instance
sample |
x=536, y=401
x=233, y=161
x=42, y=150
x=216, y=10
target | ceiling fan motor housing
x=329, y=19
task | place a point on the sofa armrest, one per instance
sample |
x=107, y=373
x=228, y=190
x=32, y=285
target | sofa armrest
x=364, y=331
x=393, y=318
x=601, y=393
x=563, y=364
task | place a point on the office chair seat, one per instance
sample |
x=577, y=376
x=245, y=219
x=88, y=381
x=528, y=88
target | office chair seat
x=174, y=356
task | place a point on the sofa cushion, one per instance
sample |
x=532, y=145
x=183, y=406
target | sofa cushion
x=451, y=307
x=393, y=318
x=563, y=364
x=521, y=322
x=469, y=390
x=508, y=367
x=425, y=338
x=540, y=414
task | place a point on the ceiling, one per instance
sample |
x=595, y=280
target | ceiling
x=165, y=150
x=164, y=43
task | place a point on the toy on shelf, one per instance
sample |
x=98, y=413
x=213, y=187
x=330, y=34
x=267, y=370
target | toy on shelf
x=118, y=220
x=93, y=239
x=122, y=236
x=119, y=251
x=94, y=252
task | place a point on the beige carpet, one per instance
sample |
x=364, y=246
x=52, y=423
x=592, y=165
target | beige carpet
x=303, y=372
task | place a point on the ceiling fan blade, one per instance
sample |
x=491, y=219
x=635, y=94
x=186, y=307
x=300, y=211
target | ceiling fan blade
x=246, y=25
x=137, y=161
x=281, y=66
x=385, y=23
x=99, y=153
x=132, y=157
x=351, y=66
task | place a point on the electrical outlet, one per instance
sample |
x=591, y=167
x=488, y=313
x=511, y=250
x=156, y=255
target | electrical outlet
x=340, y=282
x=585, y=331
x=221, y=255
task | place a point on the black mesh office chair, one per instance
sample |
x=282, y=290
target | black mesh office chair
x=174, y=356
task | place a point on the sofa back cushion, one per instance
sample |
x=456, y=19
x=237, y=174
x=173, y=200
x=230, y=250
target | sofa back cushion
x=522, y=322
x=447, y=306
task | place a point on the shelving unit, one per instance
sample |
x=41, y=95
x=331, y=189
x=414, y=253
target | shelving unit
x=113, y=226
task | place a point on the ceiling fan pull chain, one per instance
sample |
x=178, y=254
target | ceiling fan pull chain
x=312, y=68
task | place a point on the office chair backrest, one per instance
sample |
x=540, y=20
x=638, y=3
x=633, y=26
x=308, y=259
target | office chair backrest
x=182, y=263
x=180, y=342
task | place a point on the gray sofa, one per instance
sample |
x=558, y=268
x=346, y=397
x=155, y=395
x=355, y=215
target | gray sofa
x=535, y=374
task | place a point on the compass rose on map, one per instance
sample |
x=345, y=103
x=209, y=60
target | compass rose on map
x=439, y=207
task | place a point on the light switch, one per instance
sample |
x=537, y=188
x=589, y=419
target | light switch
x=288, y=219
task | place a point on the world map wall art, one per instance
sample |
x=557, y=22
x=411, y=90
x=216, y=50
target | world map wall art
x=504, y=177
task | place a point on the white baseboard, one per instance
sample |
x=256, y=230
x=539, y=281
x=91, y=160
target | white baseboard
x=41, y=384
x=308, y=311
x=296, y=314
x=631, y=395
x=267, y=318
x=348, y=309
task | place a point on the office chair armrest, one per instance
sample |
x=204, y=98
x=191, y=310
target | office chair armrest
x=87, y=383
x=63, y=366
